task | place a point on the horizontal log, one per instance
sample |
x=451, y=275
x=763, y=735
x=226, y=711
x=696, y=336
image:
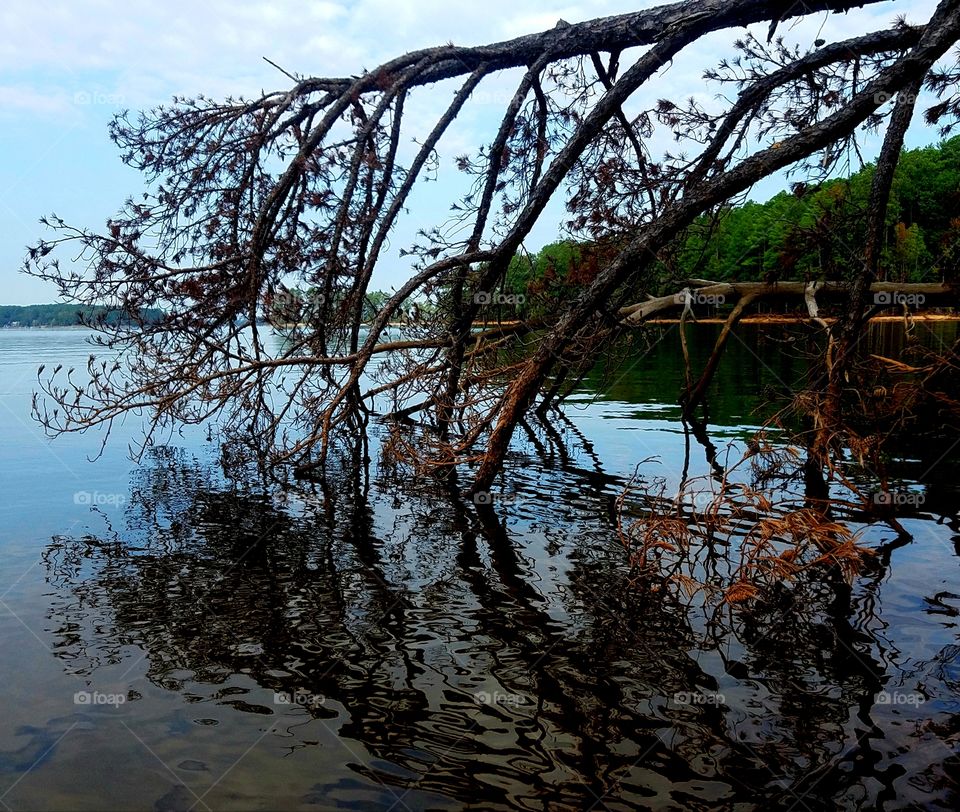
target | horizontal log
x=705, y=292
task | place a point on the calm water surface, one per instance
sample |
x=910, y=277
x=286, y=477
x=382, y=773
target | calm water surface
x=173, y=640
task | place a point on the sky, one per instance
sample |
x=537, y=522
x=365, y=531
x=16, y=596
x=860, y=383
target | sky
x=67, y=67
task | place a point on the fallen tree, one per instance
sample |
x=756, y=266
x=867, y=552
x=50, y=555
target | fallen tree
x=908, y=295
x=302, y=188
x=902, y=295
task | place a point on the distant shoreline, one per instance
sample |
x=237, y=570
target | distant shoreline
x=757, y=319
x=44, y=327
x=60, y=314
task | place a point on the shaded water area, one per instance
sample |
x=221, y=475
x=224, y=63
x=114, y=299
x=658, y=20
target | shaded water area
x=176, y=640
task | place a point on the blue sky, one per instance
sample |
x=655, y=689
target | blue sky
x=67, y=67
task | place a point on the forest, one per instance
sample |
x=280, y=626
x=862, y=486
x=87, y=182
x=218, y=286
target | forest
x=66, y=315
x=809, y=232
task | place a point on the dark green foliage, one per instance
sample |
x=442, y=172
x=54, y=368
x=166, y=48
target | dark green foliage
x=818, y=232
x=808, y=232
x=62, y=315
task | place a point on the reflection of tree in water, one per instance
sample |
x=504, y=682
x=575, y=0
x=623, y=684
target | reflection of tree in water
x=404, y=627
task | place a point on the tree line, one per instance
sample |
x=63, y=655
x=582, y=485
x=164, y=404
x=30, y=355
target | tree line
x=809, y=232
x=67, y=315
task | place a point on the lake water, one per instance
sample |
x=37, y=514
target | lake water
x=173, y=640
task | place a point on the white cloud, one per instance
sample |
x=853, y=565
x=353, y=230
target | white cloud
x=74, y=63
x=148, y=50
x=518, y=25
x=20, y=99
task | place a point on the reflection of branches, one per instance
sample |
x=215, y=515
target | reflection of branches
x=763, y=541
x=403, y=625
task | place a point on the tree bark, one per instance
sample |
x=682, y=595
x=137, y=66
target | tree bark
x=939, y=36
